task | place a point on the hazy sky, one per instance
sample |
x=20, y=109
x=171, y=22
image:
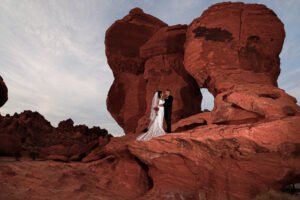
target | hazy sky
x=52, y=54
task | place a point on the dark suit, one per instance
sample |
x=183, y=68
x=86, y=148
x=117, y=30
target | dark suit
x=168, y=112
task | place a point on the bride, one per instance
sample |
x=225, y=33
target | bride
x=155, y=127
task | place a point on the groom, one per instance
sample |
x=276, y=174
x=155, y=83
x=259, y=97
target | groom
x=168, y=109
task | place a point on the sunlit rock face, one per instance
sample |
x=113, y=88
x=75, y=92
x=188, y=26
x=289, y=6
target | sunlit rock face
x=233, y=44
x=233, y=50
x=222, y=161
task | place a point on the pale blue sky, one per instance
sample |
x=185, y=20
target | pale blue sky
x=53, y=61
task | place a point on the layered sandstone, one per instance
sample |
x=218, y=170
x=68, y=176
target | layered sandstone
x=222, y=161
x=206, y=162
x=102, y=179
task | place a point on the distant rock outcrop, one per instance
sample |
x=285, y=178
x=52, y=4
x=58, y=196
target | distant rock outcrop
x=29, y=134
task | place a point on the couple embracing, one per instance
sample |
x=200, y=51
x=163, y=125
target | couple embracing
x=161, y=108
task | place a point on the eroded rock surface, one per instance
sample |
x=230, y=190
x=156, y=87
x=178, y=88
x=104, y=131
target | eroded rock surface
x=234, y=44
x=233, y=50
x=222, y=161
x=99, y=180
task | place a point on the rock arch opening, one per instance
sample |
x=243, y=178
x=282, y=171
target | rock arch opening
x=207, y=103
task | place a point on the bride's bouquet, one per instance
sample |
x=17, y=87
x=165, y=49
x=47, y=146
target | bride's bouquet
x=156, y=108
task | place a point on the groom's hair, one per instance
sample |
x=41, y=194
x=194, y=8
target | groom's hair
x=159, y=94
x=168, y=90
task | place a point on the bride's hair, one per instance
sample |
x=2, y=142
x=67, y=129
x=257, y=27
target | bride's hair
x=159, y=94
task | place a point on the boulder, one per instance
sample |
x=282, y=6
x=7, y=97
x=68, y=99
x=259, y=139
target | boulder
x=3, y=92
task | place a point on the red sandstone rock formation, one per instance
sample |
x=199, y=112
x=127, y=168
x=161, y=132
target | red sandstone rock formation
x=3, y=92
x=125, y=37
x=206, y=162
x=164, y=70
x=222, y=161
x=233, y=50
x=247, y=145
x=240, y=42
x=103, y=179
x=30, y=134
x=251, y=142
x=145, y=56
x=126, y=98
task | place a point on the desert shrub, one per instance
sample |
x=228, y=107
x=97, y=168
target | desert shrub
x=273, y=195
x=33, y=154
x=33, y=151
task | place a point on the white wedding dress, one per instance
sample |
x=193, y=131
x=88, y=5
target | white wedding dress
x=155, y=127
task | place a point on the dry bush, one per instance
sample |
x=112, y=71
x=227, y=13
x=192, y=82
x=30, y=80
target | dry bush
x=273, y=195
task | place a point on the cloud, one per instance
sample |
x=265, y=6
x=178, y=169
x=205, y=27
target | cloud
x=52, y=58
